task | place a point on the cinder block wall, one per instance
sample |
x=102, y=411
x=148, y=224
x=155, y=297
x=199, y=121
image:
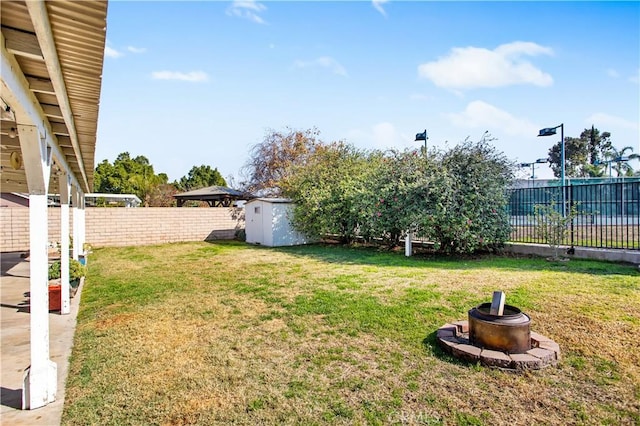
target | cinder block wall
x=123, y=227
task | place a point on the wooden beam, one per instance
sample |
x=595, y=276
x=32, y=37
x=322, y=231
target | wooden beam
x=22, y=43
x=41, y=85
x=60, y=129
x=52, y=110
x=40, y=20
x=15, y=91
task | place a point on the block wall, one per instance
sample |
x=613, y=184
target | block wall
x=124, y=227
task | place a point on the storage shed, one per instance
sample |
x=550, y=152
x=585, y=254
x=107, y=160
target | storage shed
x=267, y=222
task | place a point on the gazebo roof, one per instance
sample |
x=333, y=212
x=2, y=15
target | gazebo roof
x=216, y=196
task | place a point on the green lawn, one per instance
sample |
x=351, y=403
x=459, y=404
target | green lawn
x=227, y=333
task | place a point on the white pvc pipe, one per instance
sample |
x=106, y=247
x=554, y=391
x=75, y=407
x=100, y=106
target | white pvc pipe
x=408, y=249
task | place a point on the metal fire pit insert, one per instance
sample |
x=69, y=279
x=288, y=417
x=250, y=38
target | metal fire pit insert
x=508, y=332
x=502, y=341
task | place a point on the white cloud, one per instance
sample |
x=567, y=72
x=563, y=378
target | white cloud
x=603, y=121
x=481, y=115
x=193, y=76
x=326, y=62
x=134, y=49
x=247, y=9
x=471, y=67
x=110, y=52
x=612, y=73
x=636, y=77
x=377, y=4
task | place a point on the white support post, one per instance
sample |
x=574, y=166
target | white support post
x=76, y=221
x=81, y=226
x=64, y=188
x=408, y=248
x=40, y=378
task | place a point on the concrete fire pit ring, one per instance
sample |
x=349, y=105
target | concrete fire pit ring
x=453, y=338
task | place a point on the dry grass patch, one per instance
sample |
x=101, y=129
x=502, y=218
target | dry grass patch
x=233, y=334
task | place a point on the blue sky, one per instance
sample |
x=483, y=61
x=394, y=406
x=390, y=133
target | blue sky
x=200, y=82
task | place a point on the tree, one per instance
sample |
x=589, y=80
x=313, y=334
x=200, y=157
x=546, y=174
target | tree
x=599, y=143
x=576, y=153
x=552, y=226
x=582, y=155
x=200, y=177
x=128, y=176
x=619, y=161
x=144, y=185
x=327, y=190
x=271, y=161
x=162, y=196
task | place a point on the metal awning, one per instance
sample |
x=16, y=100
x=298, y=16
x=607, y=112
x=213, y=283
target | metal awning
x=52, y=59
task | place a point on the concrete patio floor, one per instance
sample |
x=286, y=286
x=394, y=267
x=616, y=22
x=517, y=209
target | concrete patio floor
x=15, y=345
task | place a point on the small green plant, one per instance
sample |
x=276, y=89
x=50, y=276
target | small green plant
x=76, y=270
x=240, y=235
x=552, y=226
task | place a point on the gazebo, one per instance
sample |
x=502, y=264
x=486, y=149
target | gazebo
x=215, y=196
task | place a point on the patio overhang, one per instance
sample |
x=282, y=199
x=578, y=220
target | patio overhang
x=51, y=76
x=51, y=59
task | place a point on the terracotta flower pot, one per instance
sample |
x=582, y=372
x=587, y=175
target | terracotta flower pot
x=55, y=297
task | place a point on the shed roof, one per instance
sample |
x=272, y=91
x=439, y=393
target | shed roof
x=272, y=200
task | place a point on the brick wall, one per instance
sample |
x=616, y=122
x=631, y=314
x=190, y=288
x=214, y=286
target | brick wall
x=124, y=227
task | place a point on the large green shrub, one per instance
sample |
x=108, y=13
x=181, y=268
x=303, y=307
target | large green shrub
x=468, y=208
x=327, y=192
x=395, y=198
x=454, y=198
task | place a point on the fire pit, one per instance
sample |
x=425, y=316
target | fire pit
x=508, y=332
x=498, y=335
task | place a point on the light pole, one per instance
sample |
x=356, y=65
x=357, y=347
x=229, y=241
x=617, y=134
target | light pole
x=609, y=162
x=550, y=131
x=620, y=160
x=533, y=166
x=423, y=137
x=618, y=170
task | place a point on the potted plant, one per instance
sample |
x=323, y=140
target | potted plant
x=76, y=272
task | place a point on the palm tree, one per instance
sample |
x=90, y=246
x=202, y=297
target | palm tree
x=597, y=170
x=620, y=162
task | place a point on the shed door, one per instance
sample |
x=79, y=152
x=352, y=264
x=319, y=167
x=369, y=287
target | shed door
x=254, y=224
x=267, y=224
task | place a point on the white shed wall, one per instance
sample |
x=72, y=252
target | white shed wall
x=268, y=223
x=283, y=232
